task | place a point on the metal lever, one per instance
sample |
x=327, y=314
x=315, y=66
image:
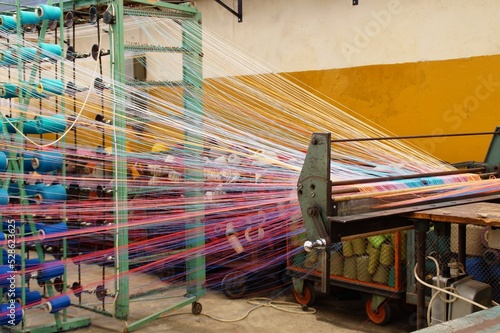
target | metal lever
x=321, y=244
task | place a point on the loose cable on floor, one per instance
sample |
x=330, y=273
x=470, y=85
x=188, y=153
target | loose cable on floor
x=259, y=302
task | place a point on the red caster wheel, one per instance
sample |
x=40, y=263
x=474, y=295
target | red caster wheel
x=381, y=316
x=308, y=296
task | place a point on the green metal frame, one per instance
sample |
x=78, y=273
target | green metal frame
x=314, y=191
x=193, y=78
x=62, y=323
x=192, y=83
x=120, y=166
x=318, y=209
x=314, y=187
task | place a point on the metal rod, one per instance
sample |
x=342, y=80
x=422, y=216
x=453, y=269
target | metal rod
x=158, y=13
x=488, y=174
x=420, y=287
x=420, y=239
x=390, y=178
x=375, y=233
x=412, y=137
x=462, y=243
x=238, y=14
x=364, y=195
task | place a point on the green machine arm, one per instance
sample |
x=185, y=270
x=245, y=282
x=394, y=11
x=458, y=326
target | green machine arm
x=492, y=159
x=314, y=191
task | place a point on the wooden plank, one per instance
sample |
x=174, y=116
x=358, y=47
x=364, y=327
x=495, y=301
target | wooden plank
x=479, y=213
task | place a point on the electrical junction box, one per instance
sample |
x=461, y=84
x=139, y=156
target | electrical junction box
x=440, y=309
x=473, y=290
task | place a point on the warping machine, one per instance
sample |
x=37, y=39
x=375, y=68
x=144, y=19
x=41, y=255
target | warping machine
x=364, y=234
x=65, y=171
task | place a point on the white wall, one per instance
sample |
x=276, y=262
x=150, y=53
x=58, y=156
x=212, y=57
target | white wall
x=297, y=35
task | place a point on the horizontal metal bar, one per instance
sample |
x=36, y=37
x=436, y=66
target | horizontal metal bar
x=375, y=233
x=354, y=219
x=350, y=227
x=133, y=326
x=154, y=257
x=366, y=287
x=158, y=13
x=411, y=137
x=93, y=309
x=138, y=83
x=184, y=8
x=155, y=48
x=401, y=177
x=157, y=291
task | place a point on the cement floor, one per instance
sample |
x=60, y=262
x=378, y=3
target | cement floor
x=343, y=311
x=333, y=314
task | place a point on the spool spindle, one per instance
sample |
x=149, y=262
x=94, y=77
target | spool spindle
x=362, y=263
x=57, y=303
x=4, y=198
x=6, y=276
x=350, y=268
x=49, y=230
x=50, y=86
x=52, y=51
x=7, y=90
x=7, y=22
x=51, y=124
x=25, y=53
x=47, y=161
x=27, y=18
x=49, y=270
x=51, y=194
x=11, y=313
x=47, y=12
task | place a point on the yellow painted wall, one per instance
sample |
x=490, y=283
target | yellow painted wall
x=450, y=96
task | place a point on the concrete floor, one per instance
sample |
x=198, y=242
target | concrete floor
x=343, y=312
x=332, y=315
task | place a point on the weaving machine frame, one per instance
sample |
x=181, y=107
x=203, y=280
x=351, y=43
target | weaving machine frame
x=328, y=222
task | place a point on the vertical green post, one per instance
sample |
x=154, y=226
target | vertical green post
x=193, y=104
x=120, y=165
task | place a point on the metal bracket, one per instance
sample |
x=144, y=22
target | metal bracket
x=493, y=155
x=315, y=214
x=377, y=301
x=323, y=243
x=238, y=14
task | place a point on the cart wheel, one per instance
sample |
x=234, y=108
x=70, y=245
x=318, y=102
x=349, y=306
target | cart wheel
x=196, y=308
x=308, y=296
x=234, y=285
x=381, y=316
